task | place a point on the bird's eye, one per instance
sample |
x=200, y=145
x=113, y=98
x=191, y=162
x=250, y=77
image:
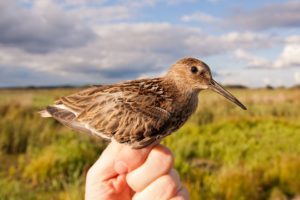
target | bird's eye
x=194, y=69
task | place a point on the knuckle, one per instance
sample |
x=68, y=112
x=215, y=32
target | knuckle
x=166, y=158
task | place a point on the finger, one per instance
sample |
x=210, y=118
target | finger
x=165, y=187
x=158, y=163
x=132, y=158
x=117, y=159
x=182, y=194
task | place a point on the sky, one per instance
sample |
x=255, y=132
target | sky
x=77, y=42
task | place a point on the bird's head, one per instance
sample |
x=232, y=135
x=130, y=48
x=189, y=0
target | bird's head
x=193, y=74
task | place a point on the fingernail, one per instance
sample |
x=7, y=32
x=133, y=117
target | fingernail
x=121, y=167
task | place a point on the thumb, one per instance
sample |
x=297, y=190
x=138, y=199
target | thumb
x=118, y=159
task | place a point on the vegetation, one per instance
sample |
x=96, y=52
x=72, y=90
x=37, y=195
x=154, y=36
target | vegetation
x=222, y=152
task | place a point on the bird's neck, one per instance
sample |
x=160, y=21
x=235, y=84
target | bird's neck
x=180, y=89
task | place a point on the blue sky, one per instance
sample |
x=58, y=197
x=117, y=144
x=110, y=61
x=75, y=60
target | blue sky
x=74, y=42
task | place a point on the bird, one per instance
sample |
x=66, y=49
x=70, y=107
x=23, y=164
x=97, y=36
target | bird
x=139, y=112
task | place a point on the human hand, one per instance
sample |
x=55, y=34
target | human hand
x=125, y=173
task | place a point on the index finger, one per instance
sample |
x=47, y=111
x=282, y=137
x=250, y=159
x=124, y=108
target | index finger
x=116, y=155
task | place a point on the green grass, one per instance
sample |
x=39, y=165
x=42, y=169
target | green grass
x=222, y=152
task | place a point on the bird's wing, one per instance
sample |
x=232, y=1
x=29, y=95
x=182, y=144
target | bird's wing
x=131, y=113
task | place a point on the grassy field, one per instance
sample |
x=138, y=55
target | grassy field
x=222, y=152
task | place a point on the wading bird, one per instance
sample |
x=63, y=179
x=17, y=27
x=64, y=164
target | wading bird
x=139, y=112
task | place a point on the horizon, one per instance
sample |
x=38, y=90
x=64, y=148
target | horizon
x=66, y=86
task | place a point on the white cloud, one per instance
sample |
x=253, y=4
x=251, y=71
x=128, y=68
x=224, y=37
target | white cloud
x=43, y=28
x=206, y=44
x=251, y=60
x=250, y=39
x=200, y=17
x=290, y=57
x=297, y=77
x=103, y=14
x=292, y=39
x=275, y=15
x=125, y=51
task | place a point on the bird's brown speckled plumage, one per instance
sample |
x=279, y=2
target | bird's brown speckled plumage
x=139, y=112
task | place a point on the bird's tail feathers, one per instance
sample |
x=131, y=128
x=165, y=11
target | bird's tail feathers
x=44, y=113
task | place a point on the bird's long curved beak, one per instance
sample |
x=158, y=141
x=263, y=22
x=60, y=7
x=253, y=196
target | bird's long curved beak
x=215, y=86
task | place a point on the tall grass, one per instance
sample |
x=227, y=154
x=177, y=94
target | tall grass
x=221, y=153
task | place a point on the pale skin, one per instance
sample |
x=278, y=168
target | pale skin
x=125, y=173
